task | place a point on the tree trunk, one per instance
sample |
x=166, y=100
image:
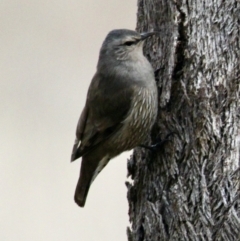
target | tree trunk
x=190, y=188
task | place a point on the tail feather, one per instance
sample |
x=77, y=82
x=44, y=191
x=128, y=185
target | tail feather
x=81, y=193
x=91, y=166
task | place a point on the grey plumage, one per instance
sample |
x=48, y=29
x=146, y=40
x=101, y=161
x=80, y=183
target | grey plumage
x=120, y=109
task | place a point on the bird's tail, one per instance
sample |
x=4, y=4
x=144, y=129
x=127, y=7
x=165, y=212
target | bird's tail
x=91, y=166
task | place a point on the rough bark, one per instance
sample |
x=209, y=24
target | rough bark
x=190, y=188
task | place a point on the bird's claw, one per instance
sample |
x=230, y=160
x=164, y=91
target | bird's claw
x=159, y=143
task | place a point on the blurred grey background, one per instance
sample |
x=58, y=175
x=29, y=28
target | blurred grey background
x=48, y=55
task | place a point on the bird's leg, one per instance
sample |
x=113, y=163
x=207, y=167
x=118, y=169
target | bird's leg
x=159, y=143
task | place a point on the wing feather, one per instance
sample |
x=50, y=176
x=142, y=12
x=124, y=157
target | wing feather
x=108, y=103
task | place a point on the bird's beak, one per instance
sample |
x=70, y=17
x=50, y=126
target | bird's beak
x=146, y=35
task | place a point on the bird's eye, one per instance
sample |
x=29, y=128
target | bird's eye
x=129, y=43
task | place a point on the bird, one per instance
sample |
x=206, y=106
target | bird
x=120, y=109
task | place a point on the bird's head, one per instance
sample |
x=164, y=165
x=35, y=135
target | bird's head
x=123, y=44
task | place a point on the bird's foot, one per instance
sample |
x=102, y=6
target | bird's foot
x=159, y=143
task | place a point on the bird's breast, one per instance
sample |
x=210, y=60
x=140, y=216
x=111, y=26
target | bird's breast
x=139, y=121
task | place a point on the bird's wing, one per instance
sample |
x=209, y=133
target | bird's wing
x=107, y=105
